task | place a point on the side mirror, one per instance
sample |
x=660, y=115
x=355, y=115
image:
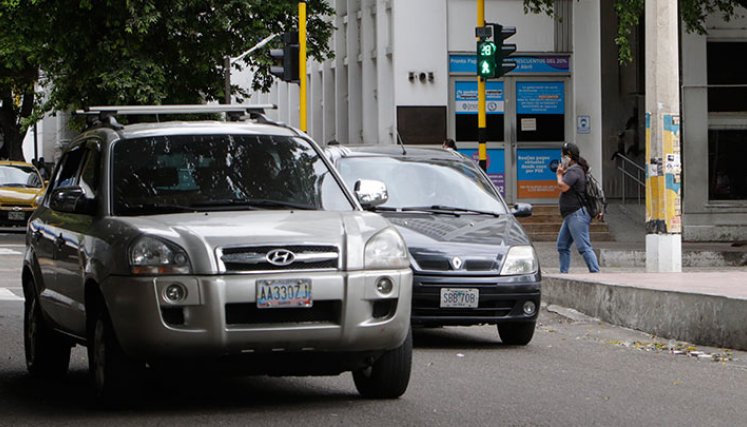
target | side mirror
x=72, y=200
x=370, y=193
x=522, y=210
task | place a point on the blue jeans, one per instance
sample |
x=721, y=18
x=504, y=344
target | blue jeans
x=576, y=228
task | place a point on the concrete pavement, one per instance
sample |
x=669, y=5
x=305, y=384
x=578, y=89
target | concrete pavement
x=706, y=304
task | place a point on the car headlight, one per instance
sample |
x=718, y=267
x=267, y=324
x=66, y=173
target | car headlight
x=386, y=249
x=149, y=255
x=520, y=260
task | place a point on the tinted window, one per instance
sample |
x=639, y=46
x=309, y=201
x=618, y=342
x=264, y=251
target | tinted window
x=221, y=172
x=66, y=177
x=19, y=176
x=89, y=174
x=421, y=183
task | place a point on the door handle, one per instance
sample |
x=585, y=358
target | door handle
x=59, y=241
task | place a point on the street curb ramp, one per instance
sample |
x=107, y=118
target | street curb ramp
x=702, y=319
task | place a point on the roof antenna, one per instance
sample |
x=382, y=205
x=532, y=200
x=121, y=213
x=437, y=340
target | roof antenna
x=401, y=143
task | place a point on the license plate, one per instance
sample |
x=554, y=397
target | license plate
x=460, y=298
x=283, y=293
x=16, y=216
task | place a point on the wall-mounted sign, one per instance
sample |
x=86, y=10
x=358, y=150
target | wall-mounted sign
x=583, y=124
x=535, y=179
x=540, y=98
x=496, y=168
x=525, y=64
x=465, y=95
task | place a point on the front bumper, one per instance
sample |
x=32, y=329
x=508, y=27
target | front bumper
x=501, y=299
x=15, y=217
x=219, y=316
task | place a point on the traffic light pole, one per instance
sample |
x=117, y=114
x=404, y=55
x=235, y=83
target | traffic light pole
x=302, y=64
x=482, y=151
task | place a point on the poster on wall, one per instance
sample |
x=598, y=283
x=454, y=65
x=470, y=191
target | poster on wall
x=541, y=106
x=535, y=179
x=496, y=169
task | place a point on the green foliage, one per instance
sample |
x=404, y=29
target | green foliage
x=630, y=12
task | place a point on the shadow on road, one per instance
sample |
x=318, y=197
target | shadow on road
x=451, y=338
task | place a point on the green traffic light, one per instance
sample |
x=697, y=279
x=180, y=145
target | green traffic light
x=486, y=59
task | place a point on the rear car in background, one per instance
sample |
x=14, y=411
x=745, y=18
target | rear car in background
x=473, y=262
x=20, y=186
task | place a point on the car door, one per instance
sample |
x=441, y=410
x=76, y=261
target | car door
x=48, y=237
x=74, y=232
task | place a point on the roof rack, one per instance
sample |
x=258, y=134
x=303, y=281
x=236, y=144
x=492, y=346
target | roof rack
x=232, y=111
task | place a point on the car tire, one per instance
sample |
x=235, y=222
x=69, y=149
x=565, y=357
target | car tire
x=47, y=352
x=519, y=333
x=113, y=373
x=389, y=375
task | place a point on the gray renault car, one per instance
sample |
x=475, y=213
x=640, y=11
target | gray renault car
x=473, y=262
x=213, y=243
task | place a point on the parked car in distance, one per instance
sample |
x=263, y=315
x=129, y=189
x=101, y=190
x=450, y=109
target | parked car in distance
x=20, y=186
x=473, y=262
x=173, y=244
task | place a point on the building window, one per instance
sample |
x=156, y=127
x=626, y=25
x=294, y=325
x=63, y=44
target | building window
x=727, y=177
x=466, y=111
x=727, y=81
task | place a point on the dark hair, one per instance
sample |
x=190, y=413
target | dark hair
x=572, y=150
x=449, y=143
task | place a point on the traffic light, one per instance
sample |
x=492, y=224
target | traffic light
x=286, y=59
x=486, y=55
x=504, y=50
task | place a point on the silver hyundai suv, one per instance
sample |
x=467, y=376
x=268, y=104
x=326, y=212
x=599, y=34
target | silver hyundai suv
x=214, y=244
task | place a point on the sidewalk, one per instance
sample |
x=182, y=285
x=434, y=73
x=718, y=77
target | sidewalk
x=706, y=304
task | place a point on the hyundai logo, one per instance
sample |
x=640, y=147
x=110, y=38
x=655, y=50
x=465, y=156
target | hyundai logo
x=280, y=257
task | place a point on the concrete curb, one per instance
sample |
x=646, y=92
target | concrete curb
x=699, y=318
x=690, y=258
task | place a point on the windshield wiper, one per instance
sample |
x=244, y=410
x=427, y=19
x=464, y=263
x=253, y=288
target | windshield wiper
x=441, y=209
x=251, y=204
x=158, y=207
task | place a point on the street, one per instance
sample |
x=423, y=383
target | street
x=576, y=371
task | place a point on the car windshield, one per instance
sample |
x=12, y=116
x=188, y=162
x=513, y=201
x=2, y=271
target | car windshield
x=188, y=173
x=19, y=176
x=429, y=184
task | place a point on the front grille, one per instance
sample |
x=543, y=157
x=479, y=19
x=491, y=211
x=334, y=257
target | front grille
x=430, y=263
x=249, y=314
x=253, y=258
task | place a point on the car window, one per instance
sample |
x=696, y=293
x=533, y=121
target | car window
x=164, y=174
x=89, y=174
x=19, y=176
x=68, y=171
x=425, y=182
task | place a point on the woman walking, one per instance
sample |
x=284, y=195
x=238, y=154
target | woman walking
x=571, y=176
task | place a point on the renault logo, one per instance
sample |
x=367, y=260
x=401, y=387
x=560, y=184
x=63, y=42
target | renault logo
x=456, y=263
x=280, y=257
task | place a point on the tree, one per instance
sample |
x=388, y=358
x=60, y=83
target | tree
x=629, y=13
x=18, y=74
x=96, y=52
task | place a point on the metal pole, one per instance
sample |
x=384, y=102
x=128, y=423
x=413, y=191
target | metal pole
x=36, y=142
x=302, y=63
x=227, y=74
x=481, y=122
x=663, y=156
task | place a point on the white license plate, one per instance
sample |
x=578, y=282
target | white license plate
x=284, y=293
x=460, y=298
x=16, y=216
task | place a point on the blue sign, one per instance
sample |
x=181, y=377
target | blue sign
x=533, y=164
x=534, y=98
x=465, y=97
x=496, y=169
x=539, y=64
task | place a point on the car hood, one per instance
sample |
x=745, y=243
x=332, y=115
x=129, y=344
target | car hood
x=479, y=241
x=18, y=195
x=201, y=234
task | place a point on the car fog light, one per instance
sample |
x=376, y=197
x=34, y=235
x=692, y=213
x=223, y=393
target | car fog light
x=529, y=308
x=175, y=293
x=384, y=285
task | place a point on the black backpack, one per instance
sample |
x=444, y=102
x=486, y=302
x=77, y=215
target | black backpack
x=593, y=198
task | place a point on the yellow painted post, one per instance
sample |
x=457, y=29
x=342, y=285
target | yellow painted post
x=482, y=151
x=302, y=63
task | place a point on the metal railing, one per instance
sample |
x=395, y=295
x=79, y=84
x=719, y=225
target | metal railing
x=630, y=170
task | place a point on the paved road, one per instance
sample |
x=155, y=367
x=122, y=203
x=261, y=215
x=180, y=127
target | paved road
x=577, y=371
